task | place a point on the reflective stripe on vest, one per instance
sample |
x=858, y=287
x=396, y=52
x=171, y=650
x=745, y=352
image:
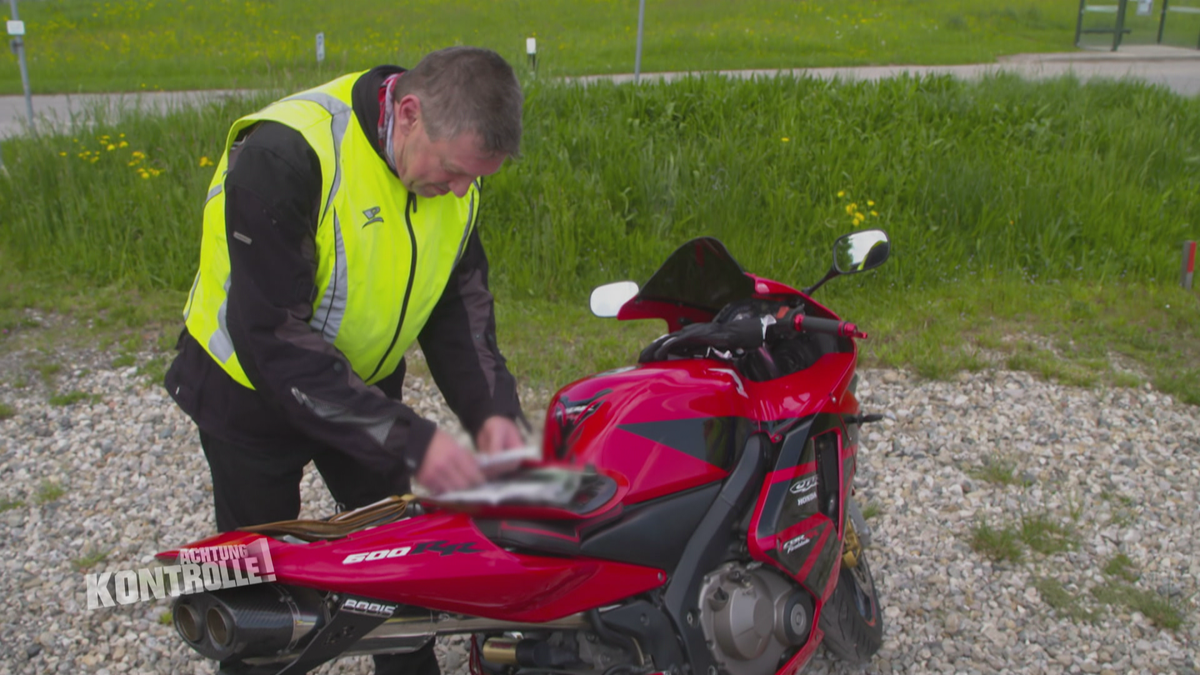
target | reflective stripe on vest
x=367, y=242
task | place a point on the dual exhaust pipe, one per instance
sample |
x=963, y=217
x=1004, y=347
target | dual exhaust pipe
x=249, y=621
x=273, y=623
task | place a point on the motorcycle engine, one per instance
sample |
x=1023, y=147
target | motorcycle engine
x=752, y=616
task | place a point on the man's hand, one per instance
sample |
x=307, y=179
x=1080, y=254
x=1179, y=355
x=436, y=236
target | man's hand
x=448, y=465
x=498, y=433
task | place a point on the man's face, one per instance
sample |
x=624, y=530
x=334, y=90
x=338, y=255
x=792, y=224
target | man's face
x=433, y=168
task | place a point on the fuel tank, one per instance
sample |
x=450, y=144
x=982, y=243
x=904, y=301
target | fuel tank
x=665, y=427
x=674, y=425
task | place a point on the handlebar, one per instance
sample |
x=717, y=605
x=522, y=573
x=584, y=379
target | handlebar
x=812, y=324
x=746, y=334
x=796, y=322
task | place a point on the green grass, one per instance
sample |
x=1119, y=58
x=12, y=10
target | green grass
x=1038, y=531
x=131, y=45
x=1045, y=535
x=998, y=470
x=1161, y=611
x=72, y=397
x=6, y=411
x=1064, y=602
x=91, y=557
x=1003, y=544
x=48, y=491
x=47, y=370
x=1016, y=209
x=1121, y=566
x=10, y=504
x=165, y=618
x=871, y=509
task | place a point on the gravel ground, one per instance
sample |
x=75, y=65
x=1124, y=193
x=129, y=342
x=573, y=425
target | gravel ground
x=1116, y=468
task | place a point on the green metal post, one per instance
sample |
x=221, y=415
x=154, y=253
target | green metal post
x=1121, y=4
x=1079, y=21
x=1162, y=21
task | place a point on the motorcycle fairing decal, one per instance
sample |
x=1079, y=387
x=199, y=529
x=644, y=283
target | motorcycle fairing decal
x=809, y=551
x=441, y=547
x=712, y=439
x=782, y=508
x=797, y=456
x=368, y=607
x=821, y=567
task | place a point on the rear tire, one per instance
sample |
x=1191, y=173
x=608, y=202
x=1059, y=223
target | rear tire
x=852, y=620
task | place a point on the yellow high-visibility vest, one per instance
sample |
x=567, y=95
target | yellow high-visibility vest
x=381, y=266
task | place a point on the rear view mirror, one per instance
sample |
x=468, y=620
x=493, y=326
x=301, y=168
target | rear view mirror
x=608, y=299
x=860, y=251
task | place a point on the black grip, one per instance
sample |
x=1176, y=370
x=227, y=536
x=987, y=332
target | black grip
x=815, y=324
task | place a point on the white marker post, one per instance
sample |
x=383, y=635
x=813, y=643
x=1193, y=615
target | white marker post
x=531, y=52
x=320, y=48
x=16, y=28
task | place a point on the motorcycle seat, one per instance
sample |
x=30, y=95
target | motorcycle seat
x=537, y=493
x=339, y=525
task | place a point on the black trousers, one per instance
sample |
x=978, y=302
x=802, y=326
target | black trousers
x=261, y=484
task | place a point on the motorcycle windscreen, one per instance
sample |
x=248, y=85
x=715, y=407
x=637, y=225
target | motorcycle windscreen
x=701, y=274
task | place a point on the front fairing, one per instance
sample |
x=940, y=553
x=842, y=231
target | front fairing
x=674, y=425
x=692, y=285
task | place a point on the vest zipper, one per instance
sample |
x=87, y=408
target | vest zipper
x=409, y=209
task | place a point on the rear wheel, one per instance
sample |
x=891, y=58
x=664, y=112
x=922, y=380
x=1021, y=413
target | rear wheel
x=852, y=619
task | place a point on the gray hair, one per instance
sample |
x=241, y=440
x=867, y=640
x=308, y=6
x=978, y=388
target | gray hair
x=467, y=89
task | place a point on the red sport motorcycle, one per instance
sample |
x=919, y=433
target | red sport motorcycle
x=690, y=515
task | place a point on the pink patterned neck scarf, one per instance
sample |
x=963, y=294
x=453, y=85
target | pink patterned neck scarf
x=387, y=118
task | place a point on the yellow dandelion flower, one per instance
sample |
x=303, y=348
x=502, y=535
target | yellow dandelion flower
x=138, y=154
x=95, y=159
x=841, y=193
x=205, y=161
x=875, y=213
x=111, y=147
x=870, y=203
x=123, y=144
x=785, y=139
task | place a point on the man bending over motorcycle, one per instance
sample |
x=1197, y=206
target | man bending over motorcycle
x=339, y=228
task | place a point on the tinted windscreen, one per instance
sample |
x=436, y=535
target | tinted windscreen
x=700, y=274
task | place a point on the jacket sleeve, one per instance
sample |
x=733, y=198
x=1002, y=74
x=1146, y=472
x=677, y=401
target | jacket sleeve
x=273, y=195
x=459, y=342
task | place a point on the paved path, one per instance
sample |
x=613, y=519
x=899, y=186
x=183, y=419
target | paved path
x=1178, y=69
x=55, y=111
